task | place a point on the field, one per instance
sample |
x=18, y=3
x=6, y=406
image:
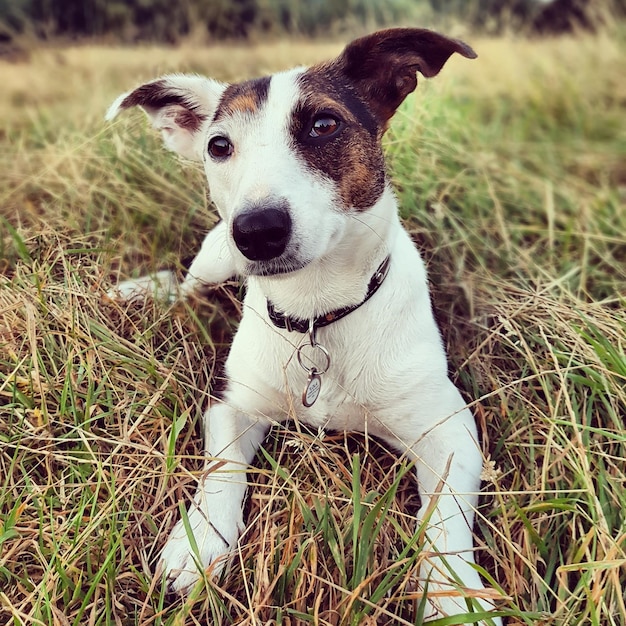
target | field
x=511, y=171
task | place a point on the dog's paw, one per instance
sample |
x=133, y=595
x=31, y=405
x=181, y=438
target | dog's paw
x=184, y=560
x=161, y=286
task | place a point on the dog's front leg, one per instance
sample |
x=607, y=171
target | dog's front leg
x=214, y=519
x=213, y=264
x=448, y=466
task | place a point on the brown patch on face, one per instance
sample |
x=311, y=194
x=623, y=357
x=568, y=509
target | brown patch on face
x=364, y=179
x=353, y=157
x=243, y=98
x=362, y=88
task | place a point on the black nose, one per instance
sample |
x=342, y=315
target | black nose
x=262, y=233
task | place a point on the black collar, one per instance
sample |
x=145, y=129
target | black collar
x=302, y=326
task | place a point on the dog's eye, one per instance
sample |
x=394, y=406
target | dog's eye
x=220, y=148
x=324, y=126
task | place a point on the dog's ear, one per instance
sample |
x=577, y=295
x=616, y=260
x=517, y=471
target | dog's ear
x=177, y=105
x=383, y=66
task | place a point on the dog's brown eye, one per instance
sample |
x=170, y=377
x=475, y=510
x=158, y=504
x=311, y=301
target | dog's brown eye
x=324, y=126
x=220, y=148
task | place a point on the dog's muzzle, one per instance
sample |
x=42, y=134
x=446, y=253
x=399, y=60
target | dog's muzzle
x=262, y=232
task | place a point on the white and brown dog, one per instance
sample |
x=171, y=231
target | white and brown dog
x=337, y=329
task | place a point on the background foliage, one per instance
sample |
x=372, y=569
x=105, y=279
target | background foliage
x=169, y=21
x=161, y=20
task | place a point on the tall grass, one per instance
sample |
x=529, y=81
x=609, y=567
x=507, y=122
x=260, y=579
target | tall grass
x=510, y=171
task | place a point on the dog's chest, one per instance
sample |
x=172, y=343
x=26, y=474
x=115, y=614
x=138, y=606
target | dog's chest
x=374, y=367
x=342, y=387
x=332, y=399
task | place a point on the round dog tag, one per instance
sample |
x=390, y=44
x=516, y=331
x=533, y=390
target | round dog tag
x=312, y=389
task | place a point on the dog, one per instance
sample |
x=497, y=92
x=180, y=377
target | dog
x=338, y=328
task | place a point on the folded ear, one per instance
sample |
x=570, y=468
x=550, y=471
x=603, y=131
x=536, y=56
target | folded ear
x=383, y=66
x=177, y=105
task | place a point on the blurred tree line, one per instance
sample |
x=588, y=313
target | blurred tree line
x=533, y=17
x=170, y=21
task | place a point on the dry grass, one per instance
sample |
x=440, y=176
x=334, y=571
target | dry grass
x=511, y=175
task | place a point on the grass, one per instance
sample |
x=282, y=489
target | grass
x=511, y=175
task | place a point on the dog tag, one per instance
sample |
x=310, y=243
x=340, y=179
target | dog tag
x=312, y=389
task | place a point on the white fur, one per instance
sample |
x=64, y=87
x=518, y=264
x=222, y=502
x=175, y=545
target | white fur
x=388, y=373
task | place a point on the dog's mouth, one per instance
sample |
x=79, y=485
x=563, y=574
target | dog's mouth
x=274, y=267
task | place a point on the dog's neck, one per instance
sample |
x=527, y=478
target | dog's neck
x=340, y=278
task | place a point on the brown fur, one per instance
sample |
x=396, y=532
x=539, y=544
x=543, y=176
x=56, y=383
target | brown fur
x=158, y=94
x=363, y=87
x=383, y=66
x=353, y=159
x=243, y=98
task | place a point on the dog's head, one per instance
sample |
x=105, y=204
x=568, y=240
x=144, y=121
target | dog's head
x=292, y=158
